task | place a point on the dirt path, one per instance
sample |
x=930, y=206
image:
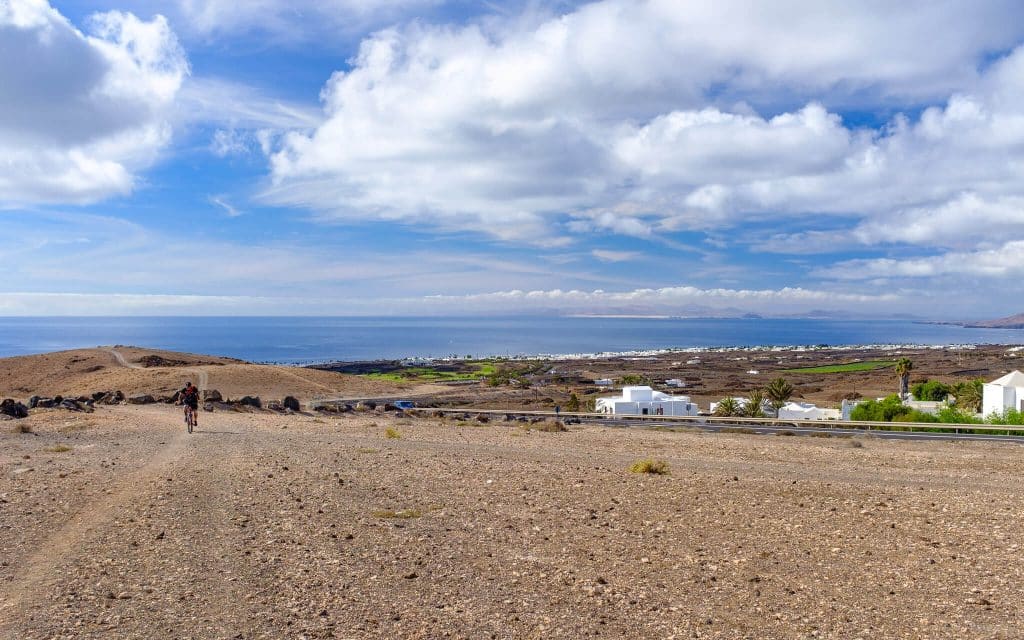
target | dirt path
x=271, y=526
x=120, y=359
x=47, y=563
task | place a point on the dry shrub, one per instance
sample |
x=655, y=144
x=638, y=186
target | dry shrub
x=58, y=448
x=550, y=426
x=392, y=434
x=22, y=427
x=856, y=444
x=656, y=467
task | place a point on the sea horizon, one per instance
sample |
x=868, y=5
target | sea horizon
x=318, y=339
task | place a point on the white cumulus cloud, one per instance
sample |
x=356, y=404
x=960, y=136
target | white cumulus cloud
x=636, y=117
x=81, y=113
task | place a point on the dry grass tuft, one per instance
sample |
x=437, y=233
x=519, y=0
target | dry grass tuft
x=21, y=427
x=392, y=434
x=856, y=444
x=404, y=514
x=656, y=467
x=58, y=448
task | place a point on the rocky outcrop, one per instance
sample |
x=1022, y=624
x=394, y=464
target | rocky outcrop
x=13, y=408
x=143, y=398
x=251, y=401
x=212, y=395
x=291, y=402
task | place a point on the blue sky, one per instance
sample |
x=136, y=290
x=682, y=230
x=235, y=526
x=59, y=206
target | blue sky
x=430, y=157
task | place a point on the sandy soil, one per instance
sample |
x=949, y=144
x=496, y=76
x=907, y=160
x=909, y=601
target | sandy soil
x=270, y=526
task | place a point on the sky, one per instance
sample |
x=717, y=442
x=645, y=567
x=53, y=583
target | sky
x=432, y=157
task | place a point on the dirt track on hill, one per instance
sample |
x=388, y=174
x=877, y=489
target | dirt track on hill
x=271, y=526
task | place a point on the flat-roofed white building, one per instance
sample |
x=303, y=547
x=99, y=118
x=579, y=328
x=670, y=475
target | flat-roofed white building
x=644, y=401
x=1003, y=393
x=603, y=382
x=807, y=411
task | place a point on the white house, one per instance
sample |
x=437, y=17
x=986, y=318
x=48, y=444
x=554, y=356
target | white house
x=603, y=382
x=807, y=411
x=1003, y=393
x=643, y=401
x=675, y=382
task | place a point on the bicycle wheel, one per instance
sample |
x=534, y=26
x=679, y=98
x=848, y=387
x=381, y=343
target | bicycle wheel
x=188, y=420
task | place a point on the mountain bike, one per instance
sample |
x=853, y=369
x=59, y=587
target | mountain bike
x=190, y=418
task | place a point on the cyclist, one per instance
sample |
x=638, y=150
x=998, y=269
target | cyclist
x=190, y=399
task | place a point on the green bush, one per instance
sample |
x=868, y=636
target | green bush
x=889, y=409
x=952, y=415
x=931, y=390
x=573, y=404
x=1008, y=417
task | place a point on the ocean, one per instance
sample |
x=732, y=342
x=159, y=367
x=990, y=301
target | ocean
x=304, y=340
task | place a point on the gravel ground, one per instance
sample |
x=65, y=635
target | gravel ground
x=268, y=526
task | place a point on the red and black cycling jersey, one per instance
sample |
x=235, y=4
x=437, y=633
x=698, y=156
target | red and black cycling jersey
x=190, y=396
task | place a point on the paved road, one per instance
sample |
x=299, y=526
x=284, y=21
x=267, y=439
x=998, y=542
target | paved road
x=806, y=431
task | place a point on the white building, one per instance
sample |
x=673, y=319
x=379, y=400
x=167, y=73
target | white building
x=644, y=401
x=675, y=382
x=603, y=382
x=807, y=411
x=1003, y=393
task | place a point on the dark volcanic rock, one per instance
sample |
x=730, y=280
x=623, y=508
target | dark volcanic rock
x=13, y=408
x=143, y=398
x=291, y=402
x=251, y=401
x=212, y=395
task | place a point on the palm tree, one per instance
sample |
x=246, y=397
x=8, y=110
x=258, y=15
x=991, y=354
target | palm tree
x=779, y=392
x=968, y=395
x=728, y=407
x=755, y=404
x=903, y=368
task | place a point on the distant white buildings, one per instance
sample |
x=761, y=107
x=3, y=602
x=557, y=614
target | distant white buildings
x=675, y=382
x=807, y=411
x=1003, y=393
x=603, y=382
x=644, y=401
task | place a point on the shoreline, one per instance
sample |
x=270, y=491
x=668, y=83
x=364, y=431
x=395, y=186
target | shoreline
x=653, y=353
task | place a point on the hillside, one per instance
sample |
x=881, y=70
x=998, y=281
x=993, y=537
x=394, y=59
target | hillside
x=1009, y=322
x=134, y=371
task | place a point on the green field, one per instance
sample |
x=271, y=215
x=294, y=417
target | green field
x=867, y=365
x=472, y=371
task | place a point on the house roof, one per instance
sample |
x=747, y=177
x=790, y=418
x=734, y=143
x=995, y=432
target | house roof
x=1013, y=379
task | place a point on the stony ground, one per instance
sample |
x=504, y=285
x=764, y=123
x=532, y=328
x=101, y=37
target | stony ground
x=118, y=524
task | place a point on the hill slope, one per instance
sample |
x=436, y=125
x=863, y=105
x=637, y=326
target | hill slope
x=1009, y=322
x=134, y=370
